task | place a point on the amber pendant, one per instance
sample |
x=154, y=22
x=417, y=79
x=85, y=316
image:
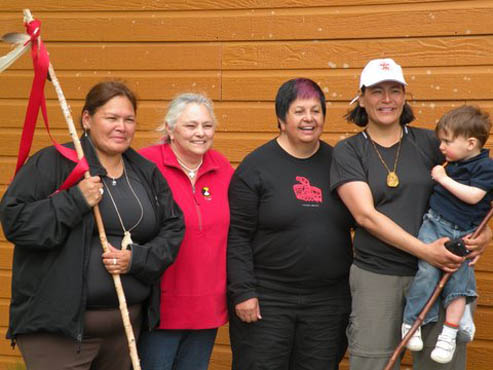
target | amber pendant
x=392, y=180
x=127, y=240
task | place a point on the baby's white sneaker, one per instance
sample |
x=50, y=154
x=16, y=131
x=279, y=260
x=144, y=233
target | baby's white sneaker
x=415, y=343
x=444, y=349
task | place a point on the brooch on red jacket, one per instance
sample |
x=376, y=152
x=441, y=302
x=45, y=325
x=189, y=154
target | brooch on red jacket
x=206, y=193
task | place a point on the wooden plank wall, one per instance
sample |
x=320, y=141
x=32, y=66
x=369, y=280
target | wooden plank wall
x=239, y=52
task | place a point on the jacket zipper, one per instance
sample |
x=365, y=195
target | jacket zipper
x=197, y=208
x=158, y=222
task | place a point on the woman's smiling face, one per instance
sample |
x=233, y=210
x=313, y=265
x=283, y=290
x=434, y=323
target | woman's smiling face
x=384, y=102
x=112, y=126
x=304, y=121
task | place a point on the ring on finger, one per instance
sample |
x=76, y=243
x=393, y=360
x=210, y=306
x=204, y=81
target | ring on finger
x=101, y=191
x=114, y=261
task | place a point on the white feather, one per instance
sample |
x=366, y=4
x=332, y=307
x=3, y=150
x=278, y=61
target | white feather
x=15, y=38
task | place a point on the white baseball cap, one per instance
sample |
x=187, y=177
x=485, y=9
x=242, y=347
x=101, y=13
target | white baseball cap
x=379, y=70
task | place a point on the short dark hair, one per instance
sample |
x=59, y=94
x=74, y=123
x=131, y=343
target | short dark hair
x=466, y=121
x=291, y=90
x=103, y=92
x=359, y=116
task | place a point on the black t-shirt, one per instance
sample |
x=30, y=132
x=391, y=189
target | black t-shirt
x=355, y=159
x=101, y=291
x=288, y=231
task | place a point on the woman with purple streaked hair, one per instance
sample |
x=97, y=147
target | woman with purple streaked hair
x=289, y=245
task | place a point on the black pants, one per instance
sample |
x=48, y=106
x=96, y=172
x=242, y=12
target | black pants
x=297, y=332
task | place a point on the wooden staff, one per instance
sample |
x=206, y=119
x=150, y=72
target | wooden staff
x=97, y=214
x=432, y=299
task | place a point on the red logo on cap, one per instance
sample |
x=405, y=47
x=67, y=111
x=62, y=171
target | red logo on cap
x=385, y=66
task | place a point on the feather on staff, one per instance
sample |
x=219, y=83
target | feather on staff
x=22, y=42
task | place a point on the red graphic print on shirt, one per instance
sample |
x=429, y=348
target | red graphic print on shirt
x=304, y=191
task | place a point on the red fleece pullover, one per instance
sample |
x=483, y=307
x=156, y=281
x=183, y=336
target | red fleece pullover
x=193, y=289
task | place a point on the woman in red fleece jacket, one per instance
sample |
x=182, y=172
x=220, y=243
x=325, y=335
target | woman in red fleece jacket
x=193, y=289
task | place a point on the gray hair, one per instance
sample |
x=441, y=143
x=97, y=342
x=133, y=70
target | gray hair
x=178, y=105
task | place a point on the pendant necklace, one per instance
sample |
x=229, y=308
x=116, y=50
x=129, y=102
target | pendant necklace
x=127, y=236
x=392, y=178
x=113, y=179
x=191, y=172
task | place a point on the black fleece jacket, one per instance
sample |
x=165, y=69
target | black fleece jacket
x=52, y=234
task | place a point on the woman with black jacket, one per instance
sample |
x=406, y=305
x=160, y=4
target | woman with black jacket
x=64, y=308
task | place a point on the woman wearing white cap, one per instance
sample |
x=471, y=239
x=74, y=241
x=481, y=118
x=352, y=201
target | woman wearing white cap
x=382, y=174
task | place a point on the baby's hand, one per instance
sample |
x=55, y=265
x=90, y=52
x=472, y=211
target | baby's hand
x=438, y=172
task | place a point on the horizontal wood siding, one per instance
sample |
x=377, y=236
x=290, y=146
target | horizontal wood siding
x=239, y=52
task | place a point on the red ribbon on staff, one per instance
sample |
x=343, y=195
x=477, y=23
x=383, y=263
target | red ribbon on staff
x=41, y=62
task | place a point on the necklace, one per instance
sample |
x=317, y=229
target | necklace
x=392, y=178
x=191, y=172
x=113, y=179
x=127, y=236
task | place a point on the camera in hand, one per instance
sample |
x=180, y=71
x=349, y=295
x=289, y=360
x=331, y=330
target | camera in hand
x=457, y=247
